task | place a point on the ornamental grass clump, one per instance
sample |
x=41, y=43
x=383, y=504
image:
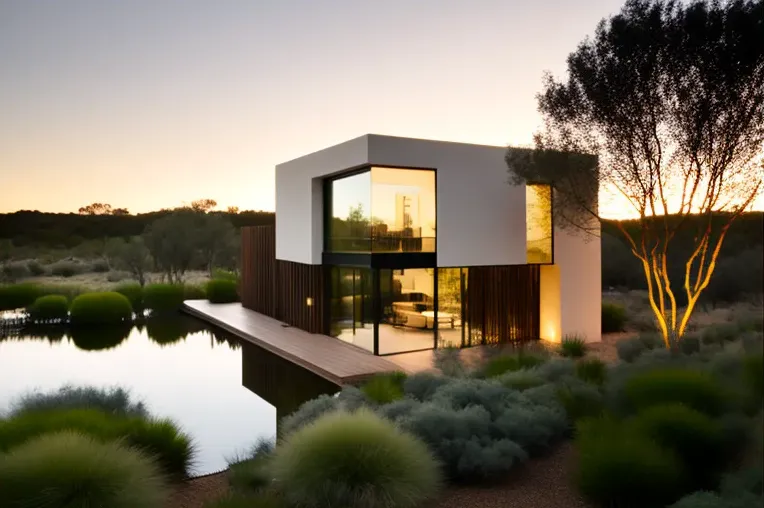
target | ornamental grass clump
x=385, y=388
x=68, y=469
x=613, y=318
x=100, y=309
x=503, y=363
x=592, y=370
x=222, y=291
x=573, y=347
x=49, y=309
x=160, y=439
x=250, y=473
x=691, y=387
x=354, y=459
x=116, y=401
x=133, y=292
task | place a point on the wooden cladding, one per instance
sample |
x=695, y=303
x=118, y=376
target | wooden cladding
x=258, y=269
x=300, y=295
x=287, y=291
x=502, y=303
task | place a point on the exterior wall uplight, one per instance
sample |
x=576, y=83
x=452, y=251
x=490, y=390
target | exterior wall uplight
x=309, y=302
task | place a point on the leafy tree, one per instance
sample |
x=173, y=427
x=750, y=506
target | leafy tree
x=172, y=242
x=132, y=256
x=669, y=97
x=233, y=210
x=203, y=205
x=120, y=211
x=215, y=239
x=96, y=209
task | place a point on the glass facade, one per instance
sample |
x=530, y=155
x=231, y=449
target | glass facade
x=452, y=303
x=351, y=307
x=407, y=298
x=381, y=210
x=538, y=219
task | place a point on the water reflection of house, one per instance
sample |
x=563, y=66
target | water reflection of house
x=355, y=253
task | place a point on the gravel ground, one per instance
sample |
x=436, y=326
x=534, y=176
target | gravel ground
x=545, y=482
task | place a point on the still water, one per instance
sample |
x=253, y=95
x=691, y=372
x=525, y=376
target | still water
x=224, y=393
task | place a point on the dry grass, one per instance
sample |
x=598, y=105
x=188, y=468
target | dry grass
x=100, y=281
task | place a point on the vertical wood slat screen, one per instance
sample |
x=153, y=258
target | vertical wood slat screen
x=258, y=269
x=502, y=303
x=297, y=283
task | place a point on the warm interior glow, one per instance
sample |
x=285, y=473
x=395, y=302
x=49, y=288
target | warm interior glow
x=538, y=223
x=309, y=302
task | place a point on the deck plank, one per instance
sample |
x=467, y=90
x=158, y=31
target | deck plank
x=330, y=358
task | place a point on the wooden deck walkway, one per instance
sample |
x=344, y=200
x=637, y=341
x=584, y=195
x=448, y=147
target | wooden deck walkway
x=325, y=356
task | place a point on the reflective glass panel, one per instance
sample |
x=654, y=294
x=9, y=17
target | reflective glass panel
x=538, y=218
x=349, y=229
x=408, y=310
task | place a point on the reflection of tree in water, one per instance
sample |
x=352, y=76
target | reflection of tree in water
x=221, y=337
x=169, y=330
x=50, y=333
x=99, y=338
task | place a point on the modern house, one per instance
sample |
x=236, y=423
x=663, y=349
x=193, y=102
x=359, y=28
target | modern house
x=398, y=245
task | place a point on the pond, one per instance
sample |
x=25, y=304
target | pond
x=223, y=392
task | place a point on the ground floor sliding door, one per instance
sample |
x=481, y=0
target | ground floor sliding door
x=388, y=311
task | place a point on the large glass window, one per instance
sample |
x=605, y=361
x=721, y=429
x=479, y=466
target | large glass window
x=351, y=306
x=538, y=218
x=402, y=210
x=408, y=310
x=382, y=210
x=452, y=291
x=349, y=228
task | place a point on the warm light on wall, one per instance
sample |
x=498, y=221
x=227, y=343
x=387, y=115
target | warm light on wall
x=309, y=302
x=550, y=332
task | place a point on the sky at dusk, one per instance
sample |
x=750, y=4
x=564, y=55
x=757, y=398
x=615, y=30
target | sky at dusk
x=146, y=104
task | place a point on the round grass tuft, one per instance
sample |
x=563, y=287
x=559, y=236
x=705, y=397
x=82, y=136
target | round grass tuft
x=222, y=291
x=163, y=298
x=49, y=308
x=18, y=296
x=68, y=469
x=354, y=459
x=93, y=309
x=694, y=388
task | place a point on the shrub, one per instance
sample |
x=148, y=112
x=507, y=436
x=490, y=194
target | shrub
x=422, y=385
x=385, y=388
x=488, y=394
x=100, y=266
x=18, y=296
x=613, y=318
x=14, y=271
x=98, y=338
x=619, y=467
x=694, y=388
x=36, y=268
x=356, y=459
x=163, y=298
x=573, y=347
x=49, y=308
x=753, y=376
x=504, y=363
x=580, y=401
x=159, y=438
x=633, y=347
x=109, y=400
x=308, y=413
x=694, y=437
x=720, y=333
x=68, y=469
x=222, y=291
x=250, y=473
x=117, y=276
x=133, y=292
x=592, y=370
x=220, y=274
x=464, y=441
x=100, y=309
x=194, y=292
x=166, y=330
x=534, y=428
x=521, y=380
x=689, y=344
x=66, y=268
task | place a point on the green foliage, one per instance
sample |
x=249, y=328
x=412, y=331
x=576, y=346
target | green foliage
x=613, y=318
x=99, y=338
x=163, y=298
x=132, y=256
x=66, y=268
x=100, y=266
x=173, y=243
x=689, y=344
x=14, y=271
x=521, y=379
x=422, y=385
x=18, y=296
x=695, y=438
x=71, y=470
x=508, y=362
x=49, y=308
x=573, y=347
x=107, y=308
x=580, y=401
x=194, y=292
x=385, y=388
x=114, y=401
x=222, y=291
x=220, y=274
x=354, y=459
x=36, y=268
x=592, y=370
x=631, y=348
x=694, y=388
x=621, y=467
x=720, y=333
x=250, y=474
x=133, y=292
x=158, y=438
x=753, y=376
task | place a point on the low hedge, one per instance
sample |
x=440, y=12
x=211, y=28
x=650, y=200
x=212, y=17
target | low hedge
x=613, y=318
x=163, y=298
x=70, y=469
x=133, y=292
x=18, y=296
x=49, y=308
x=222, y=291
x=158, y=438
x=107, y=308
